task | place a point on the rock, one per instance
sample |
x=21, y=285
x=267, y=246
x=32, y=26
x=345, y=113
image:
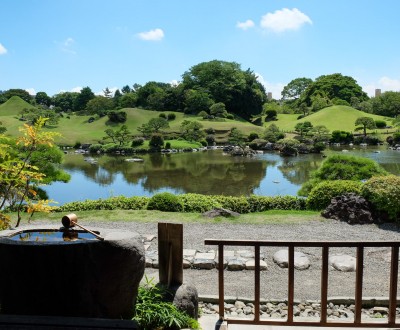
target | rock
x=220, y=212
x=350, y=208
x=250, y=265
x=203, y=263
x=301, y=261
x=343, y=263
x=186, y=299
x=236, y=264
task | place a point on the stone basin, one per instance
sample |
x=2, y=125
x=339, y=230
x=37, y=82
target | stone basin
x=78, y=276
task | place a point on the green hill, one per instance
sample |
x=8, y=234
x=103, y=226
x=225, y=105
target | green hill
x=336, y=117
x=13, y=106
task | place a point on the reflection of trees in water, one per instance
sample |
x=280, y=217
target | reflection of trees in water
x=297, y=170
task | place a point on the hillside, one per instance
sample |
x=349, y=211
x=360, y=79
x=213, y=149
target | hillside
x=336, y=117
x=78, y=129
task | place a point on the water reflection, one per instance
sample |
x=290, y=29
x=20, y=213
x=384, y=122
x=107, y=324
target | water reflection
x=209, y=172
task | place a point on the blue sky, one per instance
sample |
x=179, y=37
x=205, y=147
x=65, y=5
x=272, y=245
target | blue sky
x=63, y=45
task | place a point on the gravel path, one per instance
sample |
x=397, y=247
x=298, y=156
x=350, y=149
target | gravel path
x=274, y=280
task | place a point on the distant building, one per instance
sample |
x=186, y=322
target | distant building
x=269, y=96
x=378, y=92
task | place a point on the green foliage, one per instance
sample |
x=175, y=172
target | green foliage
x=343, y=167
x=321, y=195
x=265, y=203
x=198, y=203
x=288, y=147
x=380, y=123
x=218, y=110
x=236, y=204
x=365, y=123
x=153, y=312
x=171, y=116
x=303, y=128
x=383, y=192
x=295, y=88
x=236, y=137
x=270, y=115
x=137, y=142
x=387, y=104
x=341, y=137
x=192, y=130
x=117, y=116
x=112, y=203
x=156, y=141
x=165, y=202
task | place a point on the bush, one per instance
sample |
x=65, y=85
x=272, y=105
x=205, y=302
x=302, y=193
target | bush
x=94, y=148
x=343, y=167
x=265, y=203
x=203, y=114
x=230, y=116
x=171, y=116
x=380, y=123
x=113, y=203
x=252, y=136
x=156, y=141
x=162, y=115
x=137, y=142
x=153, y=312
x=165, y=202
x=321, y=195
x=198, y=203
x=117, y=116
x=168, y=145
x=236, y=204
x=383, y=192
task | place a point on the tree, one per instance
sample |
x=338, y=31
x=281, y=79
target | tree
x=65, y=101
x=303, y=128
x=192, y=130
x=236, y=137
x=117, y=116
x=126, y=89
x=295, y=88
x=320, y=133
x=83, y=98
x=43, y=99
x=239, y=90
x=2, y=128
x=128, y=100
x=99, y=105
x=154, y=125
x=334, y=86
x=119, y=136
x=366, y=123
x=24, y=164
x=270, y=115
x=22, y=93
x=387, y=104
x=218, y=110
x=32, y=115
x=107, y=93
x=156, y=141
x=196, y=101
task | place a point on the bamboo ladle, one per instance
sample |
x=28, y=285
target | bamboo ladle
x=71, y=220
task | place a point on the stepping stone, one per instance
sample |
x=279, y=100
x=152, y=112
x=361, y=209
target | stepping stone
x=189, y=252
x=250, y=265
x=203, y=263
x=245, y=254
x=301, y=261
x=343, y=262
x=236, y=264
x=206, y=255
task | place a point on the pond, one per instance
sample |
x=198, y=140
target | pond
x=208, y=172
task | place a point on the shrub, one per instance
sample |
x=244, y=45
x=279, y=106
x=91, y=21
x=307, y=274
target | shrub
x=168, y=145
x=171, y=116
x=230, y=116
x=236, y=204
x=270, y=114
x=383, y=192
x=137, y=142
x=203, y=114
x=198, y=203
x=156, y=141
x=153, y=312
x=210, y=130
x=343, y=167
x=321, y=195
x=265, y=203
x=97, y=147
x=162, y=115
x=380, y=123
x=165, y=202
x=252, y=136
x=117, y=116
x=113, y=203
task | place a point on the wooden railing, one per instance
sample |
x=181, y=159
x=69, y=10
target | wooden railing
x=390, y=322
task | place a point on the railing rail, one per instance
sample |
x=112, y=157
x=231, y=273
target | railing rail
x=390, y=322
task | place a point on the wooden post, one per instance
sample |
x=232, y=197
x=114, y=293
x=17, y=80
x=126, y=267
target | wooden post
x=170, y=253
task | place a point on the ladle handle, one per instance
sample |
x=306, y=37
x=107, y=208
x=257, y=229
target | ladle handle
x=88, y=230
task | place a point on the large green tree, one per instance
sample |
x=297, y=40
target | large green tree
x=22, y=93
x=387, y=104
x=365, y=123
x=65, y=101
x=226, y=82
x=295, y=88
x=334, y=86
x=83, y=98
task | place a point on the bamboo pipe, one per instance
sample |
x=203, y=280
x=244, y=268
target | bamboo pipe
x=71, y=220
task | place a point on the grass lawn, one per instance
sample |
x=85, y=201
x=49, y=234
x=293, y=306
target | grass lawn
x=267, y=217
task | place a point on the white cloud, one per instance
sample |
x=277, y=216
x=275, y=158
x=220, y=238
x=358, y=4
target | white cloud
x=76, y=89
x=174, y=83
x=152, y=35
x=31, y=91
x=3, y=50
x=274, y=88
x=111, y=89
x=384, y=84
x=67, y=46
x=285, y=19
x=245, y=25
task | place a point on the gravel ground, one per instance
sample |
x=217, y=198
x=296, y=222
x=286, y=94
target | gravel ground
x=274, y=280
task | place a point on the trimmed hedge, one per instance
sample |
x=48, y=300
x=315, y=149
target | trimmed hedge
x=321, y=195
x=383, y=192
x=189, y=203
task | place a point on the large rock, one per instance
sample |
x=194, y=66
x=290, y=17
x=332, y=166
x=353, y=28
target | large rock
x=220, y=212
x=185, y=298
x=350, y=208
x=85, y=278
x=343, y=262
x=301, y=261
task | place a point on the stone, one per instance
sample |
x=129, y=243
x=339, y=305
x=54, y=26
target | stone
x=220, y=212
x=250, y=265
x=203, y=264
x=186, y=264
x=350, y=208
x=186, y=299
x=343, y=262
x=236, y=264
x=86, y=278
x=207, y=255
x=189, y=252
x=301, y=261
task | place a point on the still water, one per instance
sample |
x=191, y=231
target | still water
x=208, y=172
